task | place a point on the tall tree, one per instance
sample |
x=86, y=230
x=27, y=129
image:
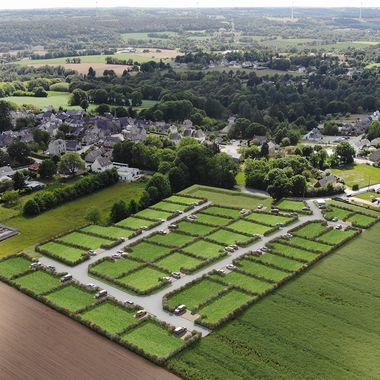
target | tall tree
x=71, y=163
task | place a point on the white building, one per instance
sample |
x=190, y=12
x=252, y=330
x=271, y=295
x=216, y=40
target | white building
x=101, y=164
x=57, y=147
x=126, y=173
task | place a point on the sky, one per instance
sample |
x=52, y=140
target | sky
x=33, y=4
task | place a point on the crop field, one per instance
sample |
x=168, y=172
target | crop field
x=204, y=249
x=38, y=281
x=249, y=227
x=195, y=294
x=361, y=220
x=335, y=236
x=253, y=267
x=310, y=244
x=194, y=228
x=227, y=237
x=149, y=213
x=177, y=261
x=310, y=230
x=169, y=207
x=224, y=305
x=143, y=279
x=293, y=252
x=13, y=266
x=114, y=268
x=336, y=212
x=269, y=219
x=72, y=298
x=65, y=252
x=360, y=174
x=173, y=239
x=324, y=325
x=280, y=262
x=84, y=240
x=222, y=211
x=110, y=317
x=113, y=232
x=289, y=204
x=244, y=281
x=153, y=339
x=147, y=251
x=228, y=198
x=188, y=201
x=135, y=223
x=212, y=219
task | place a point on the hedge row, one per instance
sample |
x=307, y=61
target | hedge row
x=85, y=256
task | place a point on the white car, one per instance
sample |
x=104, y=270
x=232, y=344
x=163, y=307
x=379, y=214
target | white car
x=92, y=252
x=221, y=271
x=91, y=285
x=116, y=256
x=231, y=266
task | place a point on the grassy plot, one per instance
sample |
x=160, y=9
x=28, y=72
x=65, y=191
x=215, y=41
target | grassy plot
x=249, y=227
x=153, y=339
x=195, y=294
x=362, y=175
x=154, y=214
x=143, y=279
x=173, y=239
x=335, y=236
x=310, y=244
x=113, y=232
x=269, y=219
x=71, y=297
x=177, y=261
x=38, y=281
x=336, y=212
x=290, y=204
x=135, y=223
x=227, y=237
x=84, y=240
x=169, y=207
x=194, y=228
x=261, y=270
x=114, y=268
x=212, y=219
x=280, y=262
x=205, y=249
x=183, y=200
x=223, y=211
x=65, y=252
x=355, y=208
x=147, y=251
x=361, y=220
x=367, y=196
x=14, y=265
x=310, y=230
x=293, y=252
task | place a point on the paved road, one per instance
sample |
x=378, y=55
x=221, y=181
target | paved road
x=153, y=303
x=362, y=190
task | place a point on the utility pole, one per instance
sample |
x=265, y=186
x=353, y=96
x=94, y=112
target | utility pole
x=292, y=16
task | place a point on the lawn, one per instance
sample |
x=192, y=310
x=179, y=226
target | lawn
x=66, y=217
x=336, y=236
x=292, y=205
x=65, y=252
x=183, y=200
x=84, y=240
x=360, y=174
x=169, y=207
x=293, y=252
x=153, y=339
x=269, y=219
x=204, y=249
x=227, y=237
x=269, y=273
x=248, y=227
x=228, y=198
x=143, y=279
x=324, y=325
x=156, y=215
x=280, y=262
x=244, y=281
x=194, y=228
x=195, y=294
x=114, y=268
x=110, y=317
x=38, y=281
x=147, y=251
x=310, y=244
x=224, y=305
x=135, y=223
x=223, y=211
x=72, y=298
x=361, y=220
x=14, y=265
x=355, y=208
x=310, y=230
x=111, y=231
x=368, y=196
x=172, y=239
x=177, y=261
x=212, y=219
x=336, y=212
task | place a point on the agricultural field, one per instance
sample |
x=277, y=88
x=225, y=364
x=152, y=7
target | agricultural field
x=269, y=219
x=135, y=223
x=360, y=174
x=222, y=211
x=293, y=252
x=110, y=317
x=146, y=251
x=169, y=207
x=14, y=265
x=280, y=262
x=194, y=228
x=114, y=268
x=261, y=270
x=292, y=205
x=248, y=227
x=65, y=252
x=177, y=261
x=361, y=220
x=337, y=305
x=111, y=231
x=71, y=297
x=38, y=281
x=212, y=219
x=156, y=215
x=310, y=244
x=84, y=240
x=172, y=239
x=335, y=236
x=204, y=249
x=228, y=237
x=310, y=230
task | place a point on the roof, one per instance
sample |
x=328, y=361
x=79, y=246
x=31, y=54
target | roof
x=103, y=162
x=6, y=170
x=374, y=156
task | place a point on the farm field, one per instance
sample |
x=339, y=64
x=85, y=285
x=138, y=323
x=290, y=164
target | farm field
x=84, y=240
x=248, y=227
x=203, y=248
x=310, y=230
x=143, y=279
x=14, y=265
x=194, y=228
x=228, y=237
x=310, y=244
x=149, y=213
x=38, y=281
x=65, y=252
x=135, y=223
x=147, y=251
x=113, y=232
x=280, y=262
x=360, y=174
x=212, y=219
x=172, y=239
x=255, y=268
x=222, y=211
x=269, y=219
x=176, y=261
x=337, y=305
x=293, y=252
x=336, y=236
x=114, y=268
x=292, y=205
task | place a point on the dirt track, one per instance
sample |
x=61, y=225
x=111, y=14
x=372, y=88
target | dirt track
x=37, y=342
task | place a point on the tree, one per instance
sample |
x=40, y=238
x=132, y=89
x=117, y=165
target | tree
x=77, y=97
x=84, y=104
x=31, y=208
x=18, y=181
x=19, y=152
x=223, y=170
x=264, y=152
x=133, y=207
x=47, y=169
x=298, y=184
x=162, y=184
x=101, y=109
x=41, y=137
x=278, y=183
x=4, y=158
x=374, y=130
x=119, y=212
x=93, y=215
x=71, y=164
x=136, y=98
x=5, y=118
x=40, y=92
x=91, y=73
x=345, y=153
x=10, y=198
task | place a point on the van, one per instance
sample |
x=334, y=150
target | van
x=101, y=293
x=180, y=331
x=180, y=309
x=66, y=277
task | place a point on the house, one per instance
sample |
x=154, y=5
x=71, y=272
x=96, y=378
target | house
x=93, y=155
x=6, y=172
x=34, y=185
x=375, y=156
x=57, y=147
x=326, y=180
x=101, y=164
x=313, y=135
x=126, y=173
x=110, y=141
x=72, y=145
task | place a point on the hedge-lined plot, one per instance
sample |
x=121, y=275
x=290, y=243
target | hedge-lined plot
x=84, y=240
x=269, y=219
x=194, y=228
x=310, y=230
x=111, y=231
x=228, y=237
x=223, y=211
x=154, y=339
x=177, y=261
x=110, y=317
x=71, y=297
x=290, y=204
x=310, y=244
x=169, y=207
x=38, y=281
x=183, y=200
x=143, y=279
x=248, y=227
x=203, y=248
x=135, y=223
x=114, y=268
x=212, y=219
x=335, y=236
x=156, y=215
x=280, y=262
x=11, y=266
x=361, y=220
x=172, y=239
x=261, y=270
x=293, y=252
x=353, y=208
x=147, y=251
x=63, y=251
x=336, y=212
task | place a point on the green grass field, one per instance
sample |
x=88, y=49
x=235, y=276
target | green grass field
x=212, y=219
x=360, y=174
x=153, y=339
x=355, y=208
x=280, y=262
x=14, y=265
x=222, y=211
x=71, y=297
x=143, y=279
x=368, y=196
x=336, y=236
x=323, y=325
x=194, y=228
x=248, y=227
x=336, y=212
x=135, y=223
x=84, y=240
x=269, y=273
x=111, y=231
x=195, y=294
x=154, y=214
x=310, y=230
x=269, y=219
x=38, y=281
x=114, y=268
x=310, y=244
x=360, y=220
x=293, y=252
x=110, y=317
x=227, y=237
x=204, y=249
x=177, y=261
x=169, y=207
x=148, y=251
x=183, y=200
x=65, y=252
x=172, y=239
x=289, y=204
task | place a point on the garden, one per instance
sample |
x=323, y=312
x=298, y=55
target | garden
x=37, y=282
x=152, y=214
x=111, y=231
x=172, y=239
x=204, y=249
x=13, y=265
x=269, y=219
x=113, y=268
x=147, y=251
x=179, y=262
x=79, y=239
x=63, y=252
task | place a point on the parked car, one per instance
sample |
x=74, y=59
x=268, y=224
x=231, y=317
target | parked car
x=101, y=293
x=116, y=256
x=338, y=227
x=91, y=285
x=231, y=266
x=51, y=268
x=289, y=236
x=141, y=313
x=92, y=252
x=221, y=271
x=128, y=303
x=173, y=226
x=66, y=277
x=260, y=206
x=35, y=265
x=120, y=251
x=335, y=219
x=180, y=309
x=180, y=331
x=305, y=208
x=176, y=275
x=281, y=225
x=275, y=211
x=229, y=249
x=294, y=214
